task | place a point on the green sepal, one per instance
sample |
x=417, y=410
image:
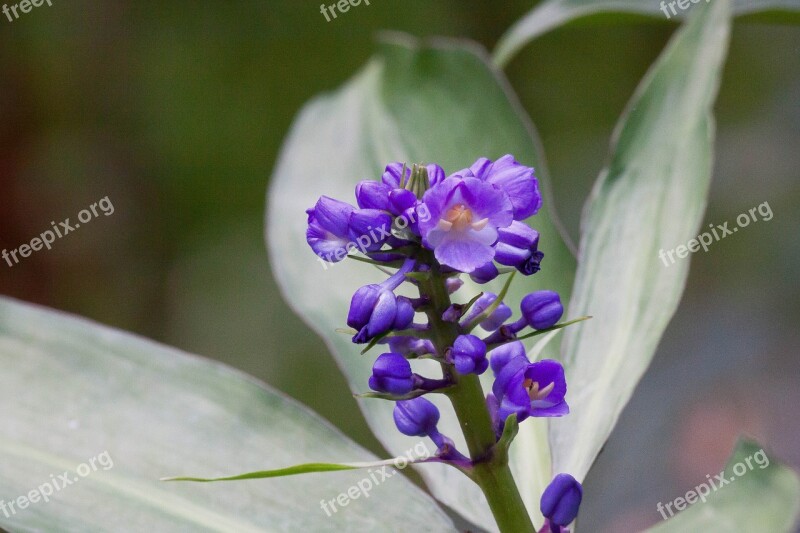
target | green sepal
x=397, y=397
x=491, y=309
x=540, y=331
x=419, y=276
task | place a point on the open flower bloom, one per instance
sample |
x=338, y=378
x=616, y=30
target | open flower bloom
x=516, y=180
x=531, y=389
x=465, y=214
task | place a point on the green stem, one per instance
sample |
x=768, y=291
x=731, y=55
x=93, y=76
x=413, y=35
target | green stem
x=491, y=471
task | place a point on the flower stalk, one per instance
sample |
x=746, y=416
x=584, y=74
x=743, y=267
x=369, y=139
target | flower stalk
x=490, y=471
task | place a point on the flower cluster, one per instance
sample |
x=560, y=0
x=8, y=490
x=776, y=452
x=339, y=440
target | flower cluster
x=434, y=229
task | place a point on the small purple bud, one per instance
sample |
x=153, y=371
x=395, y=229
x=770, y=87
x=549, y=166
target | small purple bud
x=501, y=355
x=542, y=309
x=407, y=345
x=405, y=313
x=328, y=228
x=416, y=418
x=561, y=501
x=372, y=194
x=400, y=201
x=391, y=373
x=373, y=311
x=484, y=274
x=469, y=355
x=495, y=320
x=453, y=284
x=435, y=174
x=518, y=246
x=452, y=313
x=391, y=176
x=369, y=228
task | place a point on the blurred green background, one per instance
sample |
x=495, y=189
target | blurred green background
x=176, y=110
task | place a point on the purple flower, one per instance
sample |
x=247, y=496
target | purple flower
x=531, y=389
x=561, y=500
x=465, y=215
x=328, y=231
x=542, y=309
x=391, y=373
x=469, y=355
x=495, y=320
x=516, y=180
x=518, y=246
x=416, y=418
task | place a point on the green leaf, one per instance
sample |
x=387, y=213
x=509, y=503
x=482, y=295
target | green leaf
x=305, y=468
x=413, y=102
x=652, y=196
x=551, y=14
x=73, y=390
x=763, y=495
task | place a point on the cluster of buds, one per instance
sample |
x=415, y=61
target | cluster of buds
x=433, y=229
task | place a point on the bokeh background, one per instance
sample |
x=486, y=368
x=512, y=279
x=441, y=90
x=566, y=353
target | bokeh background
x=176, y=111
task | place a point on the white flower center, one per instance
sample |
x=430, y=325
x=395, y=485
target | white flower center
x=534, y=392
